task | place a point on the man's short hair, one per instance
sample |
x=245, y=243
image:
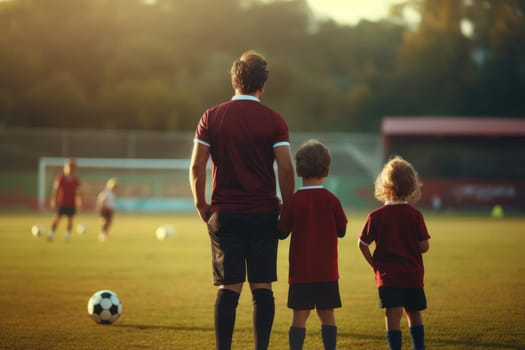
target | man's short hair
x=249, y=72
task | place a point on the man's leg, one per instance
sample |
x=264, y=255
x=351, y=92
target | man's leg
x=263, y=314
x=225, y=310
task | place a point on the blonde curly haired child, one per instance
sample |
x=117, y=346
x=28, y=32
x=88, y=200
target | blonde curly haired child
x=401, y=237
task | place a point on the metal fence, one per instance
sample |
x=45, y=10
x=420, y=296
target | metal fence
x=356, y=157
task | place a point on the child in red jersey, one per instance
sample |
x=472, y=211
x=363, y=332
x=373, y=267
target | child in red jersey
x=315, y=218
x=401, y=237
x=66, y=197
x=105, y=207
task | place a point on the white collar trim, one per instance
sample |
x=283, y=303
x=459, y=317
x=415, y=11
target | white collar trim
x=394, y=203
x=245, y=97
x=309, y=187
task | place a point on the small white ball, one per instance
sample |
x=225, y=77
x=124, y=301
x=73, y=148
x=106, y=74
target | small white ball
x=37, y=230
x=81, y=229
x=164, y=232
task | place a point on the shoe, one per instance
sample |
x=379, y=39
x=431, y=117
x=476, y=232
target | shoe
x=102, y=237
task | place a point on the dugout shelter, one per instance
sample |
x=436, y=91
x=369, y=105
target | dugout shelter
x=464, y=163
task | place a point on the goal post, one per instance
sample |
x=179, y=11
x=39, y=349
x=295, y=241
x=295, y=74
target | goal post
x=147, y=185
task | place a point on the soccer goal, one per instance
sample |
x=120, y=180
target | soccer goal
x=145, y=185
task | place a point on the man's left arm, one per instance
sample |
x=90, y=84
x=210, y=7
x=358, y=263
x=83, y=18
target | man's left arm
x=285, y=171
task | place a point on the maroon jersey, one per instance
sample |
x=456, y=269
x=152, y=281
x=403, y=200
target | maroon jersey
x=315, y=217
x=241, y=135
x=397, y=230
x=66, y=190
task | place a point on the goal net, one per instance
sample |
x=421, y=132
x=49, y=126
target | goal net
x=147, y=185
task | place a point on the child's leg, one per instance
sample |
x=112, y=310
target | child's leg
x=300, y=317
x=393, y=326
x=106, y=222
x=417, y=331
x=328, y=328
x=326, y=316
x=103, y=229
x=297, y=331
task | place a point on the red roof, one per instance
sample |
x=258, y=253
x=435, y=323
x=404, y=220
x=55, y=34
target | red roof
x=453, y=126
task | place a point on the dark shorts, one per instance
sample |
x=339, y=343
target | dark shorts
x=244, y=244
x=307, y=296
x=107, y=213
x=67, y=211
x=409, y=298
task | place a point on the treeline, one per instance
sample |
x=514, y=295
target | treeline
x=146, y=64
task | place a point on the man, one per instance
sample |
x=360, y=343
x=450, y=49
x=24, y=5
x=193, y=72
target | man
x=243, y=138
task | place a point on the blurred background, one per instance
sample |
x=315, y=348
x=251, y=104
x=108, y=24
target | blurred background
x=129, y=79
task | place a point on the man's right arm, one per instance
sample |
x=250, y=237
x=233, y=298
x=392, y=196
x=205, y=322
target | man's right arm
x=197, y=175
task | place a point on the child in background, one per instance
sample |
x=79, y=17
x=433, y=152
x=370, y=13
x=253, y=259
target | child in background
x=66, y=198
x=315, y=218
x=400, y=237
x=105, y=206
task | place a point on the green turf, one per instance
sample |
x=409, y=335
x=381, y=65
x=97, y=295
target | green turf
x=475, y=286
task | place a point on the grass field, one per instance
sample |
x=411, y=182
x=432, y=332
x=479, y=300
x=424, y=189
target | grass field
x=475, y=284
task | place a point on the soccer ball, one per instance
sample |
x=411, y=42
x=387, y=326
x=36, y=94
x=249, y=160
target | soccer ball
x=81, y=229
x=164, y=232
x=37, y=230
x=104, y=307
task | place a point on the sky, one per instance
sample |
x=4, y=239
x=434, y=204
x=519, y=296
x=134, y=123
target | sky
x=351, y=11
x=344, y=11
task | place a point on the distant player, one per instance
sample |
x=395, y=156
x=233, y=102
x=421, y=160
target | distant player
x=400, y=237
x=66, y=198
x=105, y=207
x=315, y=218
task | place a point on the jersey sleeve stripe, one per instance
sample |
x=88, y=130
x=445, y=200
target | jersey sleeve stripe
x=201, y=142
x=363, y=242
x=282, y=143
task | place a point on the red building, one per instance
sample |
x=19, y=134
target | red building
x=464, y=163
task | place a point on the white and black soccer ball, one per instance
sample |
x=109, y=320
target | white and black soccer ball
x=104, y=307
x=37, y=230
x=165, y=232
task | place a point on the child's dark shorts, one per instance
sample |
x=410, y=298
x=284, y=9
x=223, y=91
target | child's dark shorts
x=245, y=244
x=107, y=213
x=67, y=211
x=408, y=298
x=308, y=296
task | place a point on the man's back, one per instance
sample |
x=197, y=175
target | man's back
x=241, y=135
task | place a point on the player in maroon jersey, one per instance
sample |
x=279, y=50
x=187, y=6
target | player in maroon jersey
x=243, y=137
x=65, y=198
x=315, y=218
x=401, y=237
